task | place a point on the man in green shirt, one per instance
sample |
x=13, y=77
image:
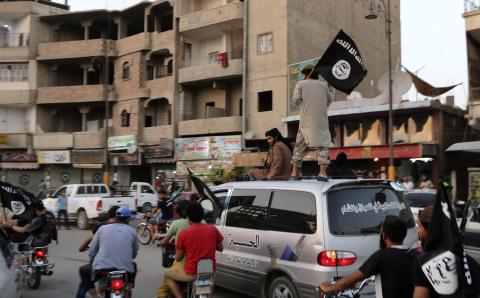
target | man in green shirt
x=176, y=227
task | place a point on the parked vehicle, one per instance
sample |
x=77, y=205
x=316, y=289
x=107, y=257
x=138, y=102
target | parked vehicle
x=9, y=270
x=86, y=201
x=34, y=263
x=144, y=194
x=287, y=236
x=420, y=198
x=472, y=233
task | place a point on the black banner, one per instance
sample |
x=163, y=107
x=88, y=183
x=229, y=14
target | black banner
x=18, y=201
x=341, y=65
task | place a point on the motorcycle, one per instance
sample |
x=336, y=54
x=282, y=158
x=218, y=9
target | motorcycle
x=34, y=263
x=115, y=284
x=202, y=286
x=348, y=293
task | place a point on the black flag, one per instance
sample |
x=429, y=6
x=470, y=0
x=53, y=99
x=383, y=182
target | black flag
x=18, y=201
x=341, y=65
x=444, y=262
x=205, y=192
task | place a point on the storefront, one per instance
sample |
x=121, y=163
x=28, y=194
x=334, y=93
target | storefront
x=90, y=163
x=161, y=163
x=20, y=168
x=209, y=157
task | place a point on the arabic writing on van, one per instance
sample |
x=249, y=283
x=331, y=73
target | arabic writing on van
x=244, y=243
x=371, y=207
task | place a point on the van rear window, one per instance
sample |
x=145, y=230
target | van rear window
x=360, y=210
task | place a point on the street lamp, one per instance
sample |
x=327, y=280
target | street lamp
x=373, y=12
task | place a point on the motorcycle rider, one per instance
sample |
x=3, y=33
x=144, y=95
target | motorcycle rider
x=85, y=271
x=197, y=242
x=176, y=227
x=115, y=246
x=42, y=227
x=392, y=262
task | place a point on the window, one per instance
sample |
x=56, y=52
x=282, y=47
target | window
x=264, y=43
x=103, y=189
x=125, y=118
x=265, y=101
x=146, y=189
x=150, y=72
x=13, y=72
x=247, y=208
x=293, y=212
x=125, y=71
x=209, y=217
x=170, y=68
x=81, y=190
x=354, y=210
x=148, y=121
x=212, y=57
x=187, y=54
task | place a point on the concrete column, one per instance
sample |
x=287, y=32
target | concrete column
x=84, y=111
x=85, y=68
x=86, y=29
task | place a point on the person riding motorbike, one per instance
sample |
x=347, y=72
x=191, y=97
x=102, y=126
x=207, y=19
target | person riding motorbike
x=197, y=242
x=392, y=262
x=85, y=271
x=42, y=227
x=176, y=227
x=114, y=246
x=162, y=214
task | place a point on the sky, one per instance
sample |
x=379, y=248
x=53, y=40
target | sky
x=433, y=40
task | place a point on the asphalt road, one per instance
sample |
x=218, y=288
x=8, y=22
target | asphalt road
x=64, y=281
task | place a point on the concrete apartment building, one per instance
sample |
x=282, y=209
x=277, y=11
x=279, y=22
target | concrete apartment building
x=20, y=75
x=472, y=28
x=176, y=70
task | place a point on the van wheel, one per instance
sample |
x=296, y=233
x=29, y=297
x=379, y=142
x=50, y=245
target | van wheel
x=82, y=220
x=282, y=287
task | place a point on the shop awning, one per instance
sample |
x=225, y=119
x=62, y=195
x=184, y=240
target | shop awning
x=19, y=165
x=465, y=147
x=160, y=160
x=88, y=165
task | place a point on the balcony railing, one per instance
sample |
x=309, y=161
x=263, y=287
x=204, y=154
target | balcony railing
x=226, y=13
x=228, y=124
x=53, y=140
x=13, y=40
x=471, y=5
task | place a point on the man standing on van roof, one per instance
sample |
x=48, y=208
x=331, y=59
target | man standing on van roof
x=314, y=97
x=392, y=262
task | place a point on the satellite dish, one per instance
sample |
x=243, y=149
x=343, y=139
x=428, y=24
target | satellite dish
x=354, y=95
x=132, y=148
x=248, y=135
x=402, y=82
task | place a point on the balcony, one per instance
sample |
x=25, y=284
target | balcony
x=161, y=87
x=152, y=135
x=210, y=71
x=14, y=46
x=74, y=49
x=89, y=140
x=218, y=19
x=163, y=40
x=210, y=126
x=53, y=140
x=17, y=97
x=17, y=141
x=80, y=93
x=134, y=43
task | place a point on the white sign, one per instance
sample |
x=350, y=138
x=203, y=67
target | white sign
x=53, y=157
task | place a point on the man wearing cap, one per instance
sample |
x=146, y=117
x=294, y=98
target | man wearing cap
x=115, y=245
x=313, y=97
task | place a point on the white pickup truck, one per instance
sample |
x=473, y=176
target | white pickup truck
x=86, y=201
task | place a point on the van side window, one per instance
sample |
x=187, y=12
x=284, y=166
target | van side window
x=81, y=190
x=146, y=189
x=103, y=189
x=96, y=189
x=248, y=208
x=293, y=212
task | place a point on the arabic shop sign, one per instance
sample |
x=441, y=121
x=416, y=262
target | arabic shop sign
x=125, y=159
x=192, y=148
x=166, y=149
x=53, y=157
x=121, y=142
x=88, y=156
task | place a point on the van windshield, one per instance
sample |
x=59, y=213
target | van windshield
x=360, y=210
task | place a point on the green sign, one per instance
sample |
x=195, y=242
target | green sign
x=295, y=75
x=121, y=142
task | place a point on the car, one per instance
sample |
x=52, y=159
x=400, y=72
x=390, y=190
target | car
x=9, y=272
x=472, y=234
x=420, y=198
x=287, y=236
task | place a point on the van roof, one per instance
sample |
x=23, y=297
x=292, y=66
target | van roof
x=306, y=183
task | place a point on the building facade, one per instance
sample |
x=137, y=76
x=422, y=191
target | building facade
x=164, y=71
x=472, y=28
